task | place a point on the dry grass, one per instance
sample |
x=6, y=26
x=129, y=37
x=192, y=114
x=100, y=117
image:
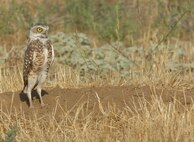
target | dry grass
x=145, y=121
x=60, y=75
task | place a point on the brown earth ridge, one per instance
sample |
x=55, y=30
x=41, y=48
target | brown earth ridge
x=92, y=97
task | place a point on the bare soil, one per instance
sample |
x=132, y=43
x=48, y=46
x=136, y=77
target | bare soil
x=70, y=99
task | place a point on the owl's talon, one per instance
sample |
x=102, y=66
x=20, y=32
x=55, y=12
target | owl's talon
x=31, y=107
x=43, y=105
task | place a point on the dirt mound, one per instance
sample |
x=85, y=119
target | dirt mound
x=93, y=96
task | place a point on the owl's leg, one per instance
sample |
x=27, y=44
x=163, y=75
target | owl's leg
x=39, y=90
x=31, y=83
x=41, y=80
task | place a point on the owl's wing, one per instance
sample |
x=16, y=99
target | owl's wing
x=28, y=62
x=50, y=52
x=53, y=53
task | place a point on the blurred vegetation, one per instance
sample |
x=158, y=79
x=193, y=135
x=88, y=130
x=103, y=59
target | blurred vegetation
x=104, y=19
x=77, y=26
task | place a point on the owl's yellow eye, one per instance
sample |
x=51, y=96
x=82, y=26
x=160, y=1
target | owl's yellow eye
x=39, y=29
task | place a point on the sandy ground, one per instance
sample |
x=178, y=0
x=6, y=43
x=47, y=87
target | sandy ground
x=70, y=99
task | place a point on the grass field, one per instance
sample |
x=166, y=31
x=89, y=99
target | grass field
x=149, y=101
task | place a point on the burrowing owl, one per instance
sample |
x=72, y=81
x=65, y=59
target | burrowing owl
x=39, y=55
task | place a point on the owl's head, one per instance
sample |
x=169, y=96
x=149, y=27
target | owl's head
x=39, y=31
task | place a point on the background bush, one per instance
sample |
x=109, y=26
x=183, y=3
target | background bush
x=103, y=19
